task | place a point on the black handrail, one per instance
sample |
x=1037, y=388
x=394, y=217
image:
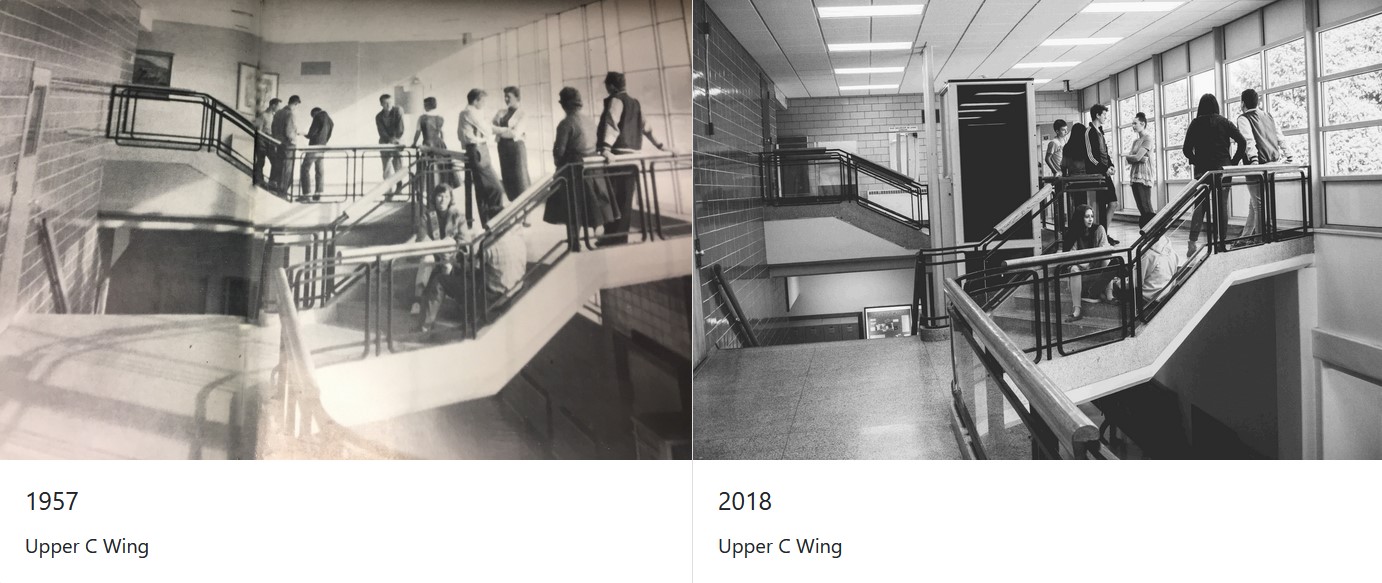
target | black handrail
x=1205, y=196
x=1052, y=197
x=849, y=167
x=233, y=137
x=322, y=279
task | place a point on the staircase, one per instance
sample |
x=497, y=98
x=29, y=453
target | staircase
x=814, y=183
x=369, y=364
x=1017, y=313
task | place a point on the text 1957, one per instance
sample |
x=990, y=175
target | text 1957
x=52, y=500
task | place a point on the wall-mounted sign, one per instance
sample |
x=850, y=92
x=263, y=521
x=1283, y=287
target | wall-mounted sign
x=902, y=128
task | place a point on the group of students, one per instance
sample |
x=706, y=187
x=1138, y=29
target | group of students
x=606, y=204
x=1208, y=140
x=277, y=121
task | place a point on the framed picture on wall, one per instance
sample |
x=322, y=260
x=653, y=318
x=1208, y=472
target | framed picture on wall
x=887, y=322
x=268, y=89
x=153, y=68
x=247, y=89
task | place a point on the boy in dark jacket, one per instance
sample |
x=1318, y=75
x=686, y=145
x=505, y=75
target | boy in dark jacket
x=1207, y=148
x=317, y=135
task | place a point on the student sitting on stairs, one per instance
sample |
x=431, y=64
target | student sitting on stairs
x=1084, y=234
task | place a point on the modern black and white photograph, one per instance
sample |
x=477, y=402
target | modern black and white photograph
x=331, y=229
x=1037, y=229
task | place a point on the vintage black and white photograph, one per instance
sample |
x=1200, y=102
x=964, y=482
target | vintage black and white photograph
x=346, y=230
x=1030, y=229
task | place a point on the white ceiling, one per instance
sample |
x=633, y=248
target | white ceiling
x=311, y=21
x=970, y=38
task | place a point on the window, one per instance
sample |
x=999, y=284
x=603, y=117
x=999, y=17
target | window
x=1128, y=108
x=1245, y=73
x=1178, y=109
x=1174, y=95
x=1201, y=84
x=1350, y=97
x=1286, y=63
x=1351, y=46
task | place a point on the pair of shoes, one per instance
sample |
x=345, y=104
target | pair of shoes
x=1114, y=242
x=1075, y=316
x=317, y=197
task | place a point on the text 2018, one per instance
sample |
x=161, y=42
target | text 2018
x=746, y=501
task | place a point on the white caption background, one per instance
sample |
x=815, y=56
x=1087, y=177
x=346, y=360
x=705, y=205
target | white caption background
x=354, y=521
x=1046, y=521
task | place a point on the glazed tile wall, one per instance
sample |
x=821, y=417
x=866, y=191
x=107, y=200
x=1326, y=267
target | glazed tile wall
x=659, y=310
x=729, y=207
x=863, y=119
x=81, y=42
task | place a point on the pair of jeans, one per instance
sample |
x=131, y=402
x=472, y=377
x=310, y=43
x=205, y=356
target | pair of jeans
x=489, y=193
x=311, y=165
x=1142, y=195
x=392, y=161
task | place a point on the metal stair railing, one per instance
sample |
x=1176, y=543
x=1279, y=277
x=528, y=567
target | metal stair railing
x=823, y=176
x=468, y=258
x=1201, y=207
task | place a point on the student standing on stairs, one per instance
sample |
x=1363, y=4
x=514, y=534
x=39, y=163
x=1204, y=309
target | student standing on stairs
x=264, y=150
x=1101, y=163
x=513, y=155
x=389, y=123
x=1207, y=147
x=622, y=129
x=1140, y=173
x=475, y=133
x=285, y=130
x=1265, y=146
x=319, y=134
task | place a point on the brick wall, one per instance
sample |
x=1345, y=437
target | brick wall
x=659, y=310
x=1054, y=105
x=863, y=119
x=729, y=206
x=81, y=41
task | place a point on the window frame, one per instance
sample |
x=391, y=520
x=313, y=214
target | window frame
x=1267, y=90
x=1323, y=127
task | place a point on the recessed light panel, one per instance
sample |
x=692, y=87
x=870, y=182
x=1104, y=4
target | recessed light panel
x=1075, y=42
x=866, y=87
x=845, y=47
x=1046, y=65
x=870, y=11
x=868, y=70
x=1131, y=6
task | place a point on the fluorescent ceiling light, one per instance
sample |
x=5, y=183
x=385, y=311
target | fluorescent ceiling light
x=866, y=11
x=976, y=110
x=972, y=117
x=1046, y=65
x=1001, y=93
x=867, y=70
x=986, y=104
x=1040, y=81
x=866, y=87
x=843, y=47
x=1131, y=6
x=1073, y=42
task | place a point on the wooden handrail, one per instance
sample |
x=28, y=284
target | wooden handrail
x=1070, y=425
x=1066, y=256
